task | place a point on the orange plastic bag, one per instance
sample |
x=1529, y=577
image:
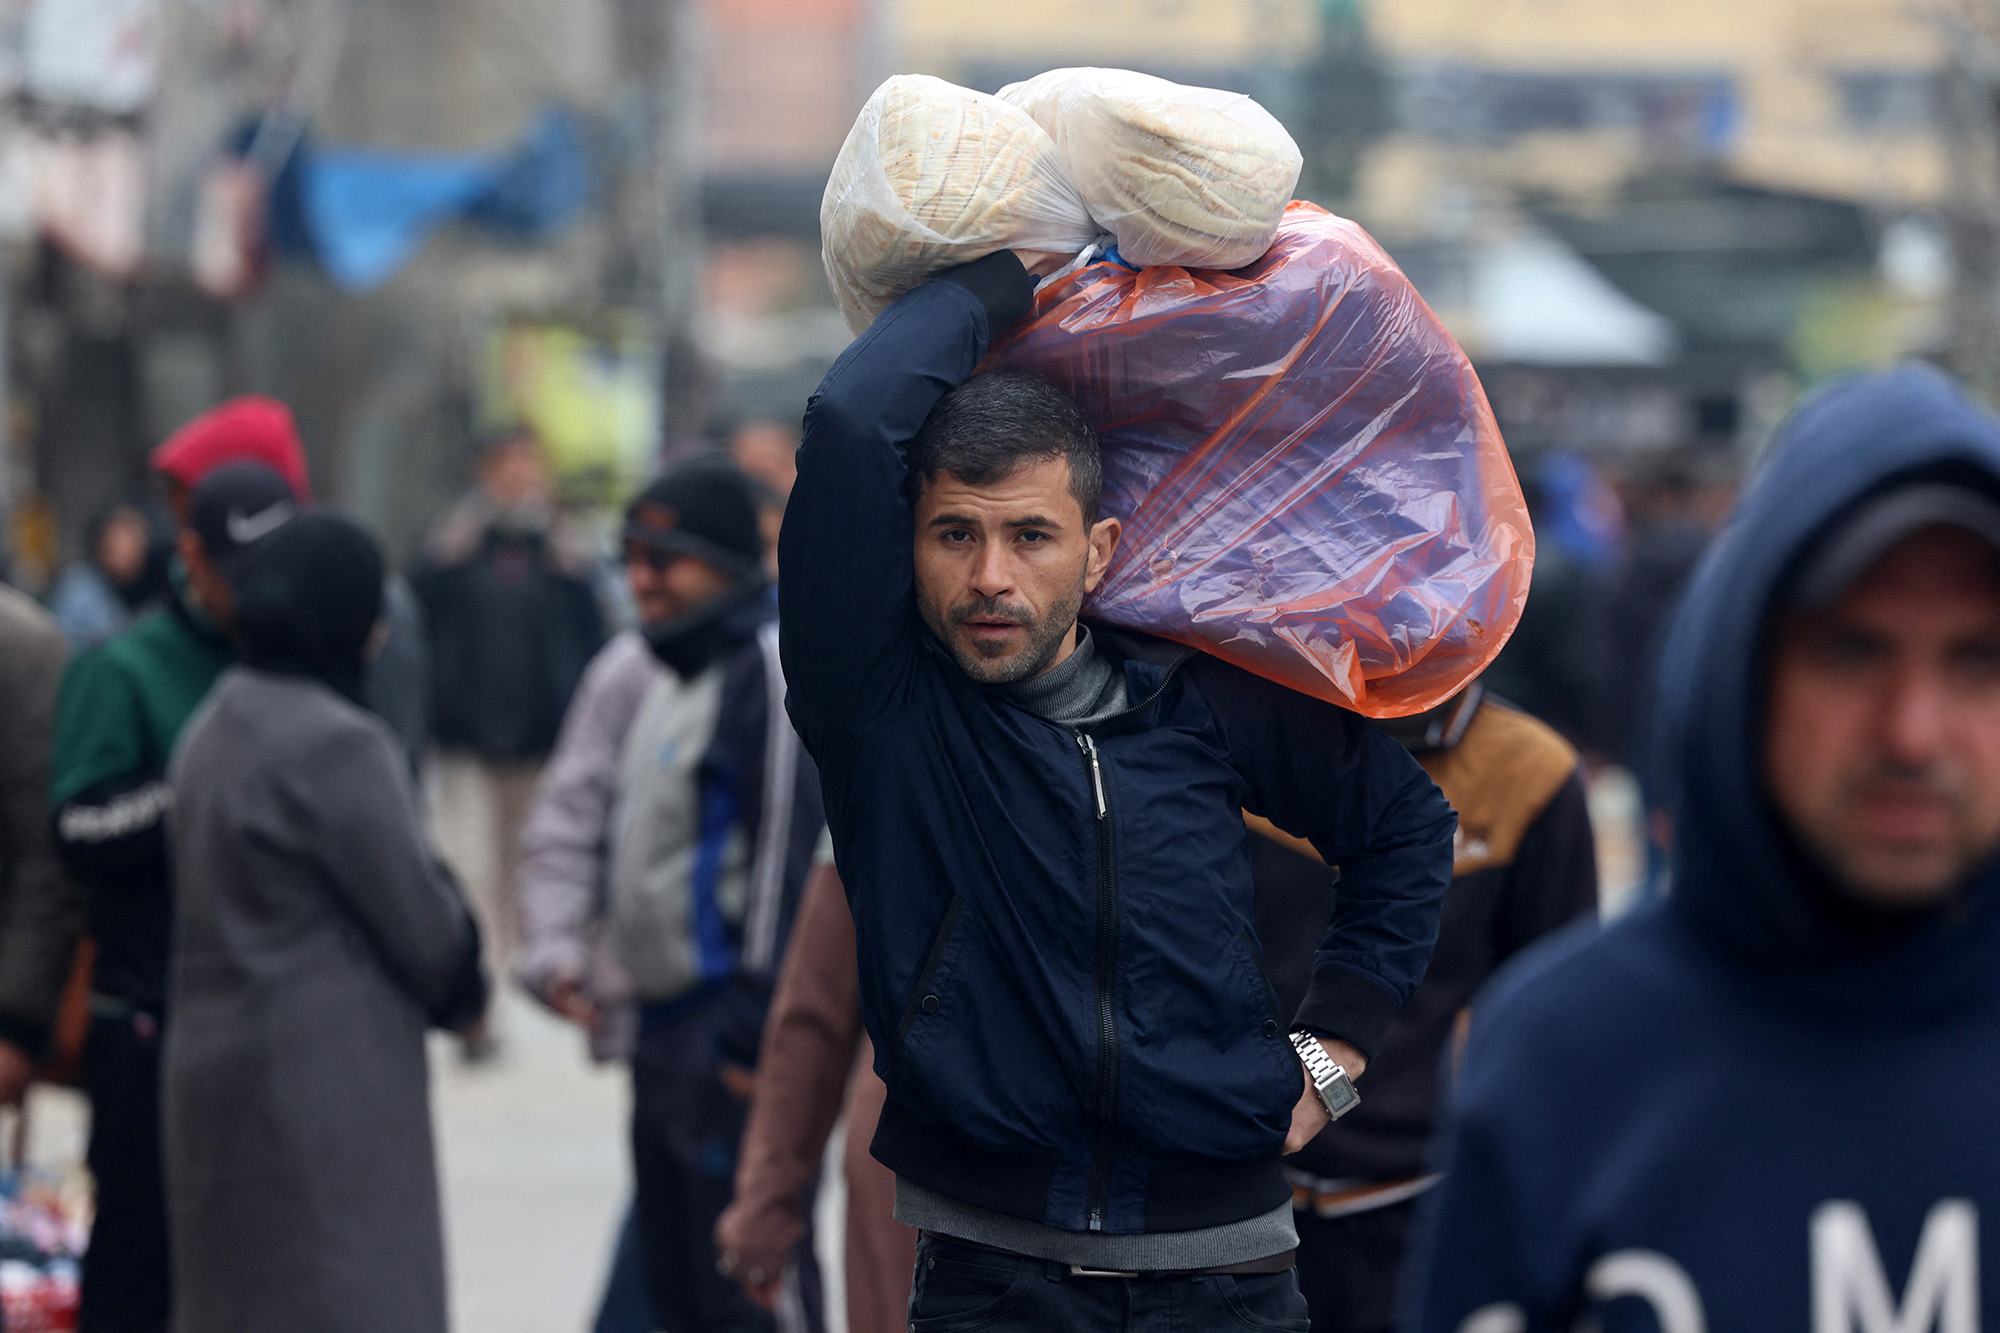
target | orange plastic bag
x=1310, y=478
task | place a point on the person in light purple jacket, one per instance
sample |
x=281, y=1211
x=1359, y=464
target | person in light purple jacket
x=562, y=884
x=663, y=858
x=566, y=961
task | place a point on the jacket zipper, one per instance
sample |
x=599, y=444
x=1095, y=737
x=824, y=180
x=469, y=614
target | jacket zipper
x=1106, y=977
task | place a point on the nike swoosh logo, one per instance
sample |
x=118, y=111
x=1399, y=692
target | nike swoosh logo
x=247, y=528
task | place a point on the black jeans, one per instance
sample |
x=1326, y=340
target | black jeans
x=962, y=1287
x=1350, y=1267
x=126, y=1281
x=685, y=1128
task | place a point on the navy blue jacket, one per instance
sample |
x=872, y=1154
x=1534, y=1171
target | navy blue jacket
x=1066, y=997
x=1726, y=1111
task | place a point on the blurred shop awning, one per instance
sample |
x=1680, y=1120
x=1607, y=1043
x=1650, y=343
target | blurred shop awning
x=1734, y=267
x=1535, y=301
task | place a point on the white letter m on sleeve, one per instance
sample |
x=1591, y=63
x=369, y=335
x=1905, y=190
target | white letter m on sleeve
x=1851, y=1292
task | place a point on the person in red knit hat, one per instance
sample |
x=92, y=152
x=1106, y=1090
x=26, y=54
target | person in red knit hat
x=256, y=429
x=250, y=429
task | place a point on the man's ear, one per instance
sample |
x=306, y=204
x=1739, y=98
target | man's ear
x=1104, y=536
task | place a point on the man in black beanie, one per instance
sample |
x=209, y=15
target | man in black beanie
x=664, y=855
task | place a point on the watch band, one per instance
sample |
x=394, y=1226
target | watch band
x=1335, y=1088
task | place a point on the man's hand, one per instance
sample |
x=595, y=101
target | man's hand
x=757, y=1262
x=16, y=1070
x=565, y=996
x=740, y=1081
x=762, y=1279
x=1309, y=1117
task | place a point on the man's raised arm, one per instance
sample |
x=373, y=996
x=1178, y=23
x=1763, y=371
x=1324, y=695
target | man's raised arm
x=845, y=588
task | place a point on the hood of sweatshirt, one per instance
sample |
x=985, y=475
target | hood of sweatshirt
x=1738, y=878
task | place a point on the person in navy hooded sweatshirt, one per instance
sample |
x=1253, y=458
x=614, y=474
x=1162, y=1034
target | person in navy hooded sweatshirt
x=1768, y=1102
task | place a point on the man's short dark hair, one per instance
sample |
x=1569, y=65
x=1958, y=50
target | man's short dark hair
x=991, y=426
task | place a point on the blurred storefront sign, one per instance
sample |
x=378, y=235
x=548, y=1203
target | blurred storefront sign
x=589, y=389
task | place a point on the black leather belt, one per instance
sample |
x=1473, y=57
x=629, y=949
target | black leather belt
x=1281, y=1262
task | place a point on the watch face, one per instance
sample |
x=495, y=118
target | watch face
x=1340, y=1096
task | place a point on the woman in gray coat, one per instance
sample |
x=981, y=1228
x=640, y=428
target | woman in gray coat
x=316, y=940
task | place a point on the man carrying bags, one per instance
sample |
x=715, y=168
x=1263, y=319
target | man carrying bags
x=1040, y=828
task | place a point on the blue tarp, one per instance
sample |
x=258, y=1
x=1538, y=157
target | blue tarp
x=364, y=212
x=368, y=211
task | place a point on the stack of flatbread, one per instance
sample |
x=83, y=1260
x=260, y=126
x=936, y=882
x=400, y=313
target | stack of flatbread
x=934, y=175
x=1191, y=176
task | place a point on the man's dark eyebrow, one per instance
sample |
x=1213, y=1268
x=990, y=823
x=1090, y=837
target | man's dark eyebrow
x=967, y=521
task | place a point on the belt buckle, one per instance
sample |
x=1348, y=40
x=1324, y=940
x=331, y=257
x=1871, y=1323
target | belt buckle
x=1078, y=1270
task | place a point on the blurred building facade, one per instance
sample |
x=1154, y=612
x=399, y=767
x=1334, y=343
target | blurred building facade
x=378, y=213
x=1579, y=99
x=1251, y=47
x=1730, y=198
x=1648, y=225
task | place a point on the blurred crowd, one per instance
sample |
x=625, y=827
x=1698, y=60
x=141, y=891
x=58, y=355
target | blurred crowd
x=274, y=810
x=1617, y=538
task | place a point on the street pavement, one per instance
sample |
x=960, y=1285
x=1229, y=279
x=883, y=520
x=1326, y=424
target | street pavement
x=534, y=1168
x=536, y=1175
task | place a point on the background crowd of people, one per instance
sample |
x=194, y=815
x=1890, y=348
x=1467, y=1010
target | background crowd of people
x=287, y=812
x=630, y=829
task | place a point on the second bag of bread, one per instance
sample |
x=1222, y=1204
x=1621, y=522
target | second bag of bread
x=1197, y=177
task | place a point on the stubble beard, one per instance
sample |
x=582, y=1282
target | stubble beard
x=1879, y=877
x=1045, y=635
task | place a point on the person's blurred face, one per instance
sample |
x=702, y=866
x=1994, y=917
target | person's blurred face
x=1882, y=749
x=1003, y=568
x=121, y=546
x=768, y=452
x=666, y=584
x=211, y=592
x=513, y=475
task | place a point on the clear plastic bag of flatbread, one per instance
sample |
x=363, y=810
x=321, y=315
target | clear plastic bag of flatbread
x=934, y=175
x=1197, y=177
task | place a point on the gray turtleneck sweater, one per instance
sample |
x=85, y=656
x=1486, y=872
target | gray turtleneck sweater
x=1080, y=691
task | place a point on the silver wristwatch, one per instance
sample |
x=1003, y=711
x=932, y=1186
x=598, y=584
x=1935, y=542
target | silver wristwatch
x=1335, y=1088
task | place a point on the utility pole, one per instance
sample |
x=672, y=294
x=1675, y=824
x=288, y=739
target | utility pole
x=1343, y=107
x=1970, y=107
x=655, y=256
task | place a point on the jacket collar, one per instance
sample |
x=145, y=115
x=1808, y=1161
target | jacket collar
x=1149, y=664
